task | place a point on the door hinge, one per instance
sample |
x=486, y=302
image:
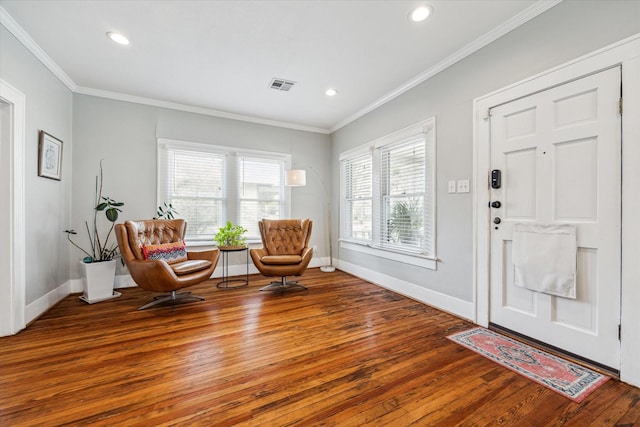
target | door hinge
x=620, y=106
x=619, y=332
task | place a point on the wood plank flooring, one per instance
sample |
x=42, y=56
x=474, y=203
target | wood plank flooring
x=343, y=353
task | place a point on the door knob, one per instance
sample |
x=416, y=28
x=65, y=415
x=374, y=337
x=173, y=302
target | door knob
x=497, y=220
x=496, y=204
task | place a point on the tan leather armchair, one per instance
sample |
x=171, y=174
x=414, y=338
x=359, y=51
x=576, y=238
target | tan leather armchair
x=158, y=275
x=285, y=251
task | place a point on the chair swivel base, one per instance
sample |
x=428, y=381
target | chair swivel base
x=173, y=297
x=283, y=285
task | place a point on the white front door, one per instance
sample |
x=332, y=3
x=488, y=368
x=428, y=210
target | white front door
x=559, y=153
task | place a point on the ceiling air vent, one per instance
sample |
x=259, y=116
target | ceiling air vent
x=281, y=84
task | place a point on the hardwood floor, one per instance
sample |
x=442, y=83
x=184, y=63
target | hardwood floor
x=343, y=353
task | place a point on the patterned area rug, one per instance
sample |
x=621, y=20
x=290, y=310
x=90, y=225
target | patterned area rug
x=568, y=379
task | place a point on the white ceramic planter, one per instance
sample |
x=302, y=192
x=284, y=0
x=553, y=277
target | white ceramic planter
x=97, y=281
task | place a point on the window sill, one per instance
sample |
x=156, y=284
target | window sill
x=403, y=257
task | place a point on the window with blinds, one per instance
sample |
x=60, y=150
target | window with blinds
x=210, y=185
x=357, y=218
x=402, y=177
x=260, y=191
x=388, y=192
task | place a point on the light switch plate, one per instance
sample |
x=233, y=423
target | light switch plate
x=452, y=187
x=463, y=186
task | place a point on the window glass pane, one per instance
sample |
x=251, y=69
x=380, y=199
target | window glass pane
x=197, y=174
x=210, y=185
x=252, y=209
x=260, y=187
x=203, y=216
x=404, y=224
x=197, y=190
x=358, y=176
x=403, y=181
x=357, y=214
x=405, y=168
x=360, y=215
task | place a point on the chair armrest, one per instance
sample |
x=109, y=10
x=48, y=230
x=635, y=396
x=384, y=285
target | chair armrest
x=256, y=256
x=209, y=255
x=307, y=253
x=259, y=252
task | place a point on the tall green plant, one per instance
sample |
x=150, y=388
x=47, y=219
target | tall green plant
x=101, y=249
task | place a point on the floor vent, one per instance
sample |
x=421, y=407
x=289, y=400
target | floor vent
x=281, y=84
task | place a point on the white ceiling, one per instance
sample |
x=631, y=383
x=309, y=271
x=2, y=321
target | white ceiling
x=218, y=57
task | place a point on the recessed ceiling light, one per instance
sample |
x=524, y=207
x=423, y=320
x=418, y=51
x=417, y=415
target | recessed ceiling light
x=331, y=92
x=118, y=38
x=420, y=13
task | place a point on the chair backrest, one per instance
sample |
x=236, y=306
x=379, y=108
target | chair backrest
x=153, y=232
x=285, y=236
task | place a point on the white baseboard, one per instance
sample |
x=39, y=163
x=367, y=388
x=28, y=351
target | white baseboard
x=455, y=306
x=74, y=286
x=123, y=281
x=41, y=305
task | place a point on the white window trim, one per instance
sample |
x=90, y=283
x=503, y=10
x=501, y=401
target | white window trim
x=165, y=143
x=427, y=126
x=403, y=257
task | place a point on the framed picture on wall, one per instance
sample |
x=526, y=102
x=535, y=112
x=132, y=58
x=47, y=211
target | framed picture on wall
x=49, y=156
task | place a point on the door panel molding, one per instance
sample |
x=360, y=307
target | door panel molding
x=627, y=54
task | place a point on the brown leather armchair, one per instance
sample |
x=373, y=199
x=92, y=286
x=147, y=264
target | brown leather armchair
x=159, y=275
x=285, y=251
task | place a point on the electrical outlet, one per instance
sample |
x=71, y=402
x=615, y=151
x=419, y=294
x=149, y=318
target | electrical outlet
x=315, y=248
x=463, y=186
x=452, y=187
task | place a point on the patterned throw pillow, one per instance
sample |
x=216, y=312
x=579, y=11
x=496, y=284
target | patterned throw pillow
x=172, y=253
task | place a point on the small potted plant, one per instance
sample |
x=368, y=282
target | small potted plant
x=231, y=236
x=99, y=265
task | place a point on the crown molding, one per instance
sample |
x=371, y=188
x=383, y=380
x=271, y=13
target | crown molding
x=533, y=11
x=14, y=28
x=513, y=23
x=198, y=110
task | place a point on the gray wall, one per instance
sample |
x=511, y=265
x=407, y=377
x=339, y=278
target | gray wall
x=47, y=202
x=565, y=32
x=124, y=135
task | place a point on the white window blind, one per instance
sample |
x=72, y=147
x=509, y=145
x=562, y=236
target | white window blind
x=388, y=192
x=402, y=177
x=357, y=215
x=260, y=191
x=210, y=185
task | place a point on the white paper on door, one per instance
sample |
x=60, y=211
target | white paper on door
x=544, y=258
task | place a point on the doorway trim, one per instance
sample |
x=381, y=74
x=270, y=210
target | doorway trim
x=627, y=54
x=13, y=302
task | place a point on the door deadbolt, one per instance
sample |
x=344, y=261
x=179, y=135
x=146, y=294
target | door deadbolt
x=497, y=220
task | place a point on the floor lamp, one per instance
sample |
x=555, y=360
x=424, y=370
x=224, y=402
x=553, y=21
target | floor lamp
x=298, y=178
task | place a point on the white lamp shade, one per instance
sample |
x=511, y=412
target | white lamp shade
x=295, y=178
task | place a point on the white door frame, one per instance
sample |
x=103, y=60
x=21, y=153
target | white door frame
x=13, y=300
x=627, y=54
